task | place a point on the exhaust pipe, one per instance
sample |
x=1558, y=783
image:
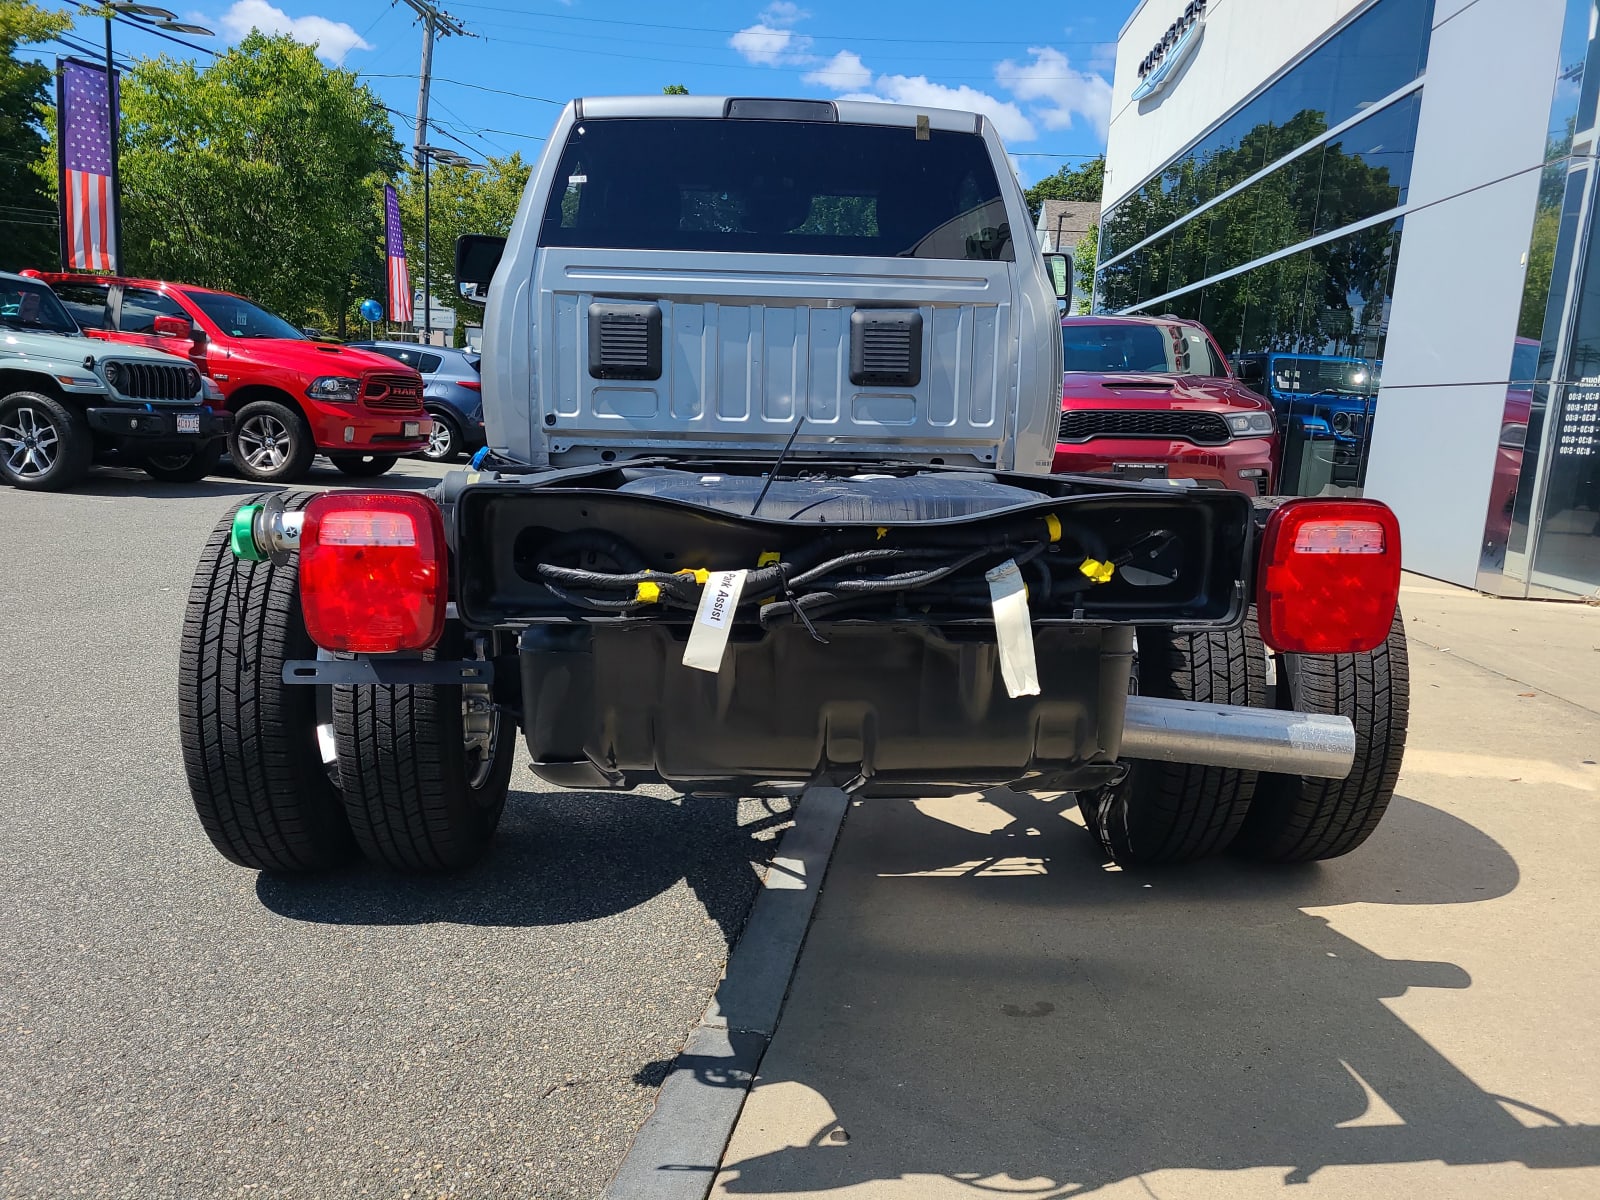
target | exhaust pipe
x=1228, y=735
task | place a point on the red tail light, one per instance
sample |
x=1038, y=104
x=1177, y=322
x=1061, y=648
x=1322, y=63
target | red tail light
x=474, y=385
x=1329, y=577
x=372, y=572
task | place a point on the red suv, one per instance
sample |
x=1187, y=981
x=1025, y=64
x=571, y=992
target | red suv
x=1154, y=398
x=291, y=397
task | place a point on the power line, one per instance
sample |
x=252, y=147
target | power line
x=461, y=83
x=821, y=37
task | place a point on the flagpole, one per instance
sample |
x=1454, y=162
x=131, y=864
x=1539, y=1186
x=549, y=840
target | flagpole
x=114, y=130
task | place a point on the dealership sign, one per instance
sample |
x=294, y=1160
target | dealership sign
x=1164, y=59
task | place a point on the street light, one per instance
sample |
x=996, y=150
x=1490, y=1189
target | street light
x=151, y=17
x=430, y=155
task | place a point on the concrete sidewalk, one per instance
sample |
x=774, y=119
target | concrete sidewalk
x=984, y=1007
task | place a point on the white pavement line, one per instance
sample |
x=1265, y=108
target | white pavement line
x=679, y=1148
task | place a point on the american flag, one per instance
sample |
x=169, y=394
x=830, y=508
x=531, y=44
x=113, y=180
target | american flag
x=399, y=279
x=88, y=198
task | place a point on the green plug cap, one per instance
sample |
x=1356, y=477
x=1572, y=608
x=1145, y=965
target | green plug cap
x=242, y=539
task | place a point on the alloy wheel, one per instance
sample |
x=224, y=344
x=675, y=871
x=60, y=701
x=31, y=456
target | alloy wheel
x=441, y=442
x=31, y=442
x=265, y=442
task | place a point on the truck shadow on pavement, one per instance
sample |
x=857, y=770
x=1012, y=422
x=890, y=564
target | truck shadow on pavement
x=560, y=858
x=985, y=1011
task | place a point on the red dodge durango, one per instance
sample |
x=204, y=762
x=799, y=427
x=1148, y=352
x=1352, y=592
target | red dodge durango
x=1154, y=398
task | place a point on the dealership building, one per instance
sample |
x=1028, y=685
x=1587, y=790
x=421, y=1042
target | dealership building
x=1385, y=212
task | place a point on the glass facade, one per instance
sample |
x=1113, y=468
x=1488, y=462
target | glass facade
x=1279, y=230
x=1542, y=533
x=1379, y=52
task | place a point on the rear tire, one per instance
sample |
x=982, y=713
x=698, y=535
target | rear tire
x=250, y=745
x=45, y=445
x=271, y=443
x=1165, y=812
x=1299, y=819
x=418, y=799
x=185, y=468
x=364, y=466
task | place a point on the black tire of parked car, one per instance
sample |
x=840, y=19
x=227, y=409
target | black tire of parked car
x=1164, y=812
x=418, y=799
x=271, y=443
x=445, y=442
x=68, y=442
x=264, y=795
x=364, y=466
x=185, y=468
x=1297, y=819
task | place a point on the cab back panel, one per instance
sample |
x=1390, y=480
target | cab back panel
x=748, y=349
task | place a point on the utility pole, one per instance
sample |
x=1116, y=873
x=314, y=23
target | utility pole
x=434, y=24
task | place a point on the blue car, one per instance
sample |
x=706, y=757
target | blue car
x=453, y=395
x=1334, y=396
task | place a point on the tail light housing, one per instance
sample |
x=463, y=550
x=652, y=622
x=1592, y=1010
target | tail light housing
x=1329, y=576
x=372, y=572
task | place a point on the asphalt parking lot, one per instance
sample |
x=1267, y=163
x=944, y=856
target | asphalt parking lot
x=174, y=1026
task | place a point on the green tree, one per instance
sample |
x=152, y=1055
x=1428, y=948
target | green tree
x=462, y=200
x=1084, y=256
x=28, y=229
x=675, y=89
x=256, y=175
x=1083, y=182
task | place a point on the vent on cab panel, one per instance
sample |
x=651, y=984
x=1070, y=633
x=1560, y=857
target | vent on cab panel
x=624, y=340
x=886, y=347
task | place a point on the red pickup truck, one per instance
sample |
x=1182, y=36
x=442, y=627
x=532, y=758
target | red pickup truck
x=291, y=397
x=1154, y=398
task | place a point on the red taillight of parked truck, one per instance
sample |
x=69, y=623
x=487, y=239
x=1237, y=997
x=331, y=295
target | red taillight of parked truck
x=1329, y=577
x=372, y=572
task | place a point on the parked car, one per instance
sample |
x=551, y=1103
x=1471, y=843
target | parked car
x=453, y=394
x=1335, y=395
x=64, y=406
x=1153, y=398
x=291, y=397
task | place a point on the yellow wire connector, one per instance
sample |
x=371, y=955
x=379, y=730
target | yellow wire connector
x=883, y=532
x=768, y=557
x=1052, y=525
x=1100, y=572
x=648, y=593
x=701, y=575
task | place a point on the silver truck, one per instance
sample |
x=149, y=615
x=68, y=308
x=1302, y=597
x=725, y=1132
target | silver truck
x=772, y=389
x=67, y=402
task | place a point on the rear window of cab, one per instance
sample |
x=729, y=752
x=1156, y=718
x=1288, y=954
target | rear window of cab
x=777, y=187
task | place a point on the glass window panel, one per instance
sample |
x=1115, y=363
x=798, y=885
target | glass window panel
x=1381, y=50
x=1362, y=173
x=141, y=307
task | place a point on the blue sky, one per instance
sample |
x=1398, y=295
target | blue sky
x=1041, y=71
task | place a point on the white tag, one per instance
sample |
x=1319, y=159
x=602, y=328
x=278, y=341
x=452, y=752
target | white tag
x=1013, y=629
x=708, y=637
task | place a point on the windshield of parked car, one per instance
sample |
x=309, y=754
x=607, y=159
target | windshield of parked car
x=33, y=306
x=1123, y=348
x=239, y=318
x=1310, y=374
x=777, y=187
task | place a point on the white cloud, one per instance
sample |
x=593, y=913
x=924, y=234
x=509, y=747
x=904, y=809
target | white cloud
x=333, y=39
x=1055, y=91
x=843, y=72
x=920, y=90
x=769, y=46
x=771, y=41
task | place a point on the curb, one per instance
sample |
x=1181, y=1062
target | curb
x=677, y=1151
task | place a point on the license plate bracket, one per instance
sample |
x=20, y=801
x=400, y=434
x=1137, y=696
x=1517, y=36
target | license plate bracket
x=411, y=429
x=188, y=422
x=1134, y=471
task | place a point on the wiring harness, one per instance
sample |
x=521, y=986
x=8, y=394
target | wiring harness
x=848, y=569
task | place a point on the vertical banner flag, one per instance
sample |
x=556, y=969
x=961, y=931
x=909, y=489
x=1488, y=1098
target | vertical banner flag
x=84, y=126
x=399, y=280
